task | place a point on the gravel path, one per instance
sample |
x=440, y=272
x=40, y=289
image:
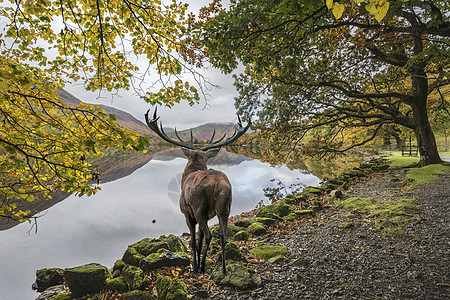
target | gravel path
x=339, y=259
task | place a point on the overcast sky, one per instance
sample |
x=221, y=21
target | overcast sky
x=220, y=106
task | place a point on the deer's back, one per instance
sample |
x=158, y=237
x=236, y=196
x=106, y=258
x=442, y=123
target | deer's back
x=206, y=192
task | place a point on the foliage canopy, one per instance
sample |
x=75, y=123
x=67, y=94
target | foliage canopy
x=45, y=145
x=340, y=72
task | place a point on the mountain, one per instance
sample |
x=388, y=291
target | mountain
x=125, y=119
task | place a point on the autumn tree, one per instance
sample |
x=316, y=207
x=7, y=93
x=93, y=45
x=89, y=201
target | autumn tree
x=106, y=45
x=336, y=65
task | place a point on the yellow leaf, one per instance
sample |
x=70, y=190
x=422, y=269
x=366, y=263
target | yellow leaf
x=338, y=9
x=329, y=4
x=382, y=11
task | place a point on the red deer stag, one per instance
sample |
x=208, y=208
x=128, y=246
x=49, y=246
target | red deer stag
x=204, y=193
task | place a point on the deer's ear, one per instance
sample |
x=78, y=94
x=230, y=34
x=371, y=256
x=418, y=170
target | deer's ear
x=212, y=152
x=186, y=152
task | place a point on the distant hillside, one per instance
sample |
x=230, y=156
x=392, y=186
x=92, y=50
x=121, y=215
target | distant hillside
x=205, y=132
x=125, y=119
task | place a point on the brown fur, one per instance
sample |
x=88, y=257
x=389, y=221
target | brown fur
x=204, y=194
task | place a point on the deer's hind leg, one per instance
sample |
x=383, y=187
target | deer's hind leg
x=196, y=259
x=204, y=230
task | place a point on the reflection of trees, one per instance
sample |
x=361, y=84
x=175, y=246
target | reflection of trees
x=322, y=168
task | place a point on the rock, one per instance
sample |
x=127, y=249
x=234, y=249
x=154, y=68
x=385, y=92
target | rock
x=291, y=200
x=237, y=276
x=241, y=235
x=265, y=211
x=268, y=251
x=232, y=252
x=87, y=279
x=46, y=278
x=336, y=193
x=231, y=231
x=268, y=221
x=63, y=296
x=201, y=294
x=257, y=229
x=290, y=217
x=138, y=295
x=118, y=266
x=313, y=190
x=164, y=258
x=118, y=284
x=277, y=259
x=280, y=209
x=51, y=292
x=170, y=288
x=304, y=212
x=299, y=262
x=137, y=251
x=245, y=222
x=135, y=278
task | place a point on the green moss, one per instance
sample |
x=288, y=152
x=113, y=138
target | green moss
x=290, y=217
x=132, y=256
x=117, y=284
x=398, y=161
x=231, y=231
x=241, y=235
x=390, y=217
x=232, y=252
x=245, y=222
x=265, y=211
x=267, y=221
x=170, y=288
x=237, y=276
x=257, y=229
x=304, y=212
x=138, y=295
x=87, y=279
x=135, y=278
x=268, y=251
x=313, y=190
x=119, y=265
x=64, y=296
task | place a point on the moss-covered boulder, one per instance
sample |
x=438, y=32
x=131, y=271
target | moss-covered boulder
x=46, y=278
x=269, y=251
x=313, y=190
x=231, y=231
x=268, y=221
x=291, y=200
x=118, y=284
x=257, y=229
x=63, y=296
x=170, y=288
x=87, y=279
x=304, y=212
x=238, y=275
x=138, y=295
x=279, y=209
x=135, y=278
x=245, y=222
x=137, y=251
x=291, y=217
x=232, y=252
x=164, y=258
x=241, y=235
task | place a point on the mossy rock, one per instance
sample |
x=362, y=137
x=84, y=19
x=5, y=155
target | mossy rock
x=277, y=259
x=118, y=284
x=269, y=251
x=257, y=229
x=46, y=278
x=63, y=296
x=282, y=209
x=291, y=200
x=299, y=262
x=119, y=265
x=138, y=295
x=268, y=221
x=245, y=222
x=230, y=232
x=170, y=288
x=304, y=212
x=241, y=235
x=232, y=252
x=135, y=278
x=87, y=279
x=164, y=258
x=137, y=251
x=290, y=217
x=266, y=211
x=313, y=190
x=238, y=275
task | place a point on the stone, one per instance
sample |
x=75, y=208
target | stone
x=51, y=292
x=268, y=221
x=164, y=258
x=232, y=252
x=291, y=200
x=230, y=232
x=87, y=279
x=135, y=278
x=313, y=190
x=170, y=288
x=268, y=251
x=245, y=222
x=290, y=217
x=282, y=209
x=336, y=193
x=137, y=251
x=277, y=259
x=257, y=229
x=138, y=295
x=46, y=278
x=241, y=235
x=201, y=293
x=304, y=212
x=237, y=276
x=118, y=284
x=299, y=262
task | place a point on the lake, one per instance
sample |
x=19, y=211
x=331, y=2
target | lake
x=83, y=230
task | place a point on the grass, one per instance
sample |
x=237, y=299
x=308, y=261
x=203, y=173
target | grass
x=390, y=217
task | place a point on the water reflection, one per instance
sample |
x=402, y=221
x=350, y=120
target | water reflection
x=77, y=230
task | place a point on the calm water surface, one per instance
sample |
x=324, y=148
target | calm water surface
x=98, y=229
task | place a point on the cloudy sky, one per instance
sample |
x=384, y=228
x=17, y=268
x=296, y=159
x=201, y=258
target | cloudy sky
x=219, y=108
